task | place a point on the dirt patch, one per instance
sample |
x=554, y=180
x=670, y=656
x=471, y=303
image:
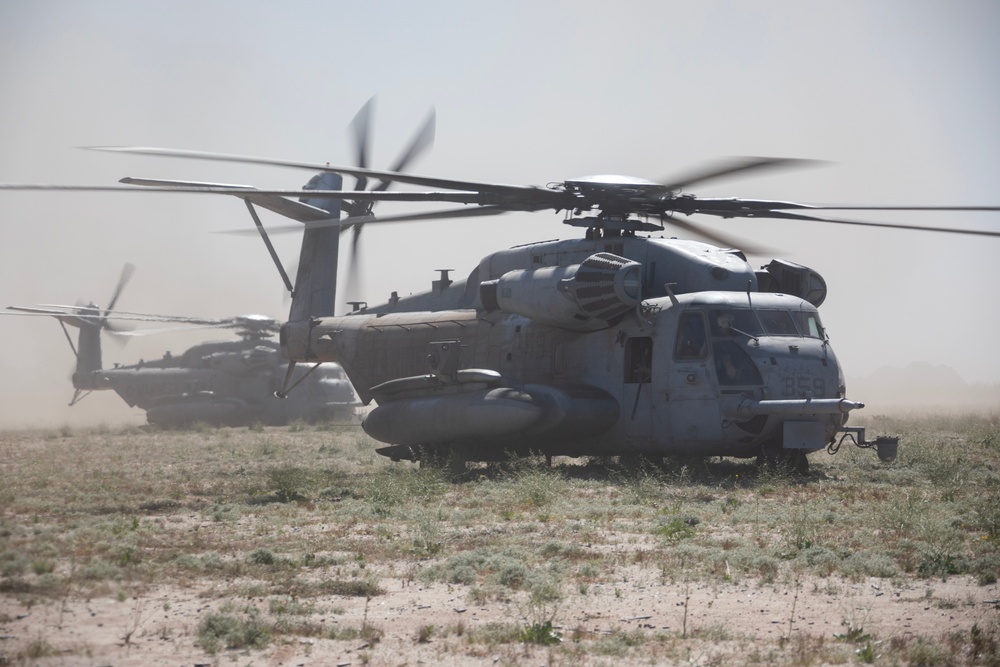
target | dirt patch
x=161, y=626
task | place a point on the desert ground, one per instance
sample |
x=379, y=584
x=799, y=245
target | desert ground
x=299, y=545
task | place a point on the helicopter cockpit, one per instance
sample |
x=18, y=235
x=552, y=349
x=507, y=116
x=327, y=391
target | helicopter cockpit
x=733, y=335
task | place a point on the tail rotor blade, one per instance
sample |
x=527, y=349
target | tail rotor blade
x=422, y=140
x=126, y=275
x=362, y=138
x=119, y=332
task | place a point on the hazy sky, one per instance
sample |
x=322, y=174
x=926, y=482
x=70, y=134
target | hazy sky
x=901, y=97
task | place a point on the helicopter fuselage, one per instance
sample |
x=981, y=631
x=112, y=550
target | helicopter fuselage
x=707, y=374
x=226, y=382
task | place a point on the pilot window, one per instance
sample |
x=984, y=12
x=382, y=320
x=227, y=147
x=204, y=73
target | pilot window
x=691, y=341
x=808, y=323
x=638, y=360
x=734, y=322
x=777, y=322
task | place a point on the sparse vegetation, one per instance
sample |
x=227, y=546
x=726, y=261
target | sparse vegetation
x=221, y=631
x=301, y=534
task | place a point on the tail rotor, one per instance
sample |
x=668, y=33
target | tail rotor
x=361, y=134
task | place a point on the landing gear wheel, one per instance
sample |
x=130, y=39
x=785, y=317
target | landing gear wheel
x=784, y=460
x=443, y=458
x=796, y=460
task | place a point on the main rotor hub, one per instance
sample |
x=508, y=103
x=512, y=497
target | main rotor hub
x=612, y=223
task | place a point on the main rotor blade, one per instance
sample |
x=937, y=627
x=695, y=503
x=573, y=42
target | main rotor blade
x=38, y=310
x=732, y=167
x=64, y=316
x=435, y=196
x=370, y=219
x=135, y=333
x=782, y=215
x=768, y=209
x=740, y=207
x=717, y=237
x=518, y=197
x=50, y=309
x=72, y=315
x=819, y=207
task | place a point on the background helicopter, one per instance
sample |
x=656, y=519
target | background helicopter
x=220, y=383
x=614, y=344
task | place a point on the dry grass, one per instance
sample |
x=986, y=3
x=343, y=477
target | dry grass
x=301, y=541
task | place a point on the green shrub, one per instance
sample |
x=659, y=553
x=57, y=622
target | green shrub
x=219, y=631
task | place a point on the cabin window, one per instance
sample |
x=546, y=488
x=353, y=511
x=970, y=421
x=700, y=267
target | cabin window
x=638, y=360
x=692, y=342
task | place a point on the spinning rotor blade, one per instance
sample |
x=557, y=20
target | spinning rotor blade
x=716, y=237
x=404, y=217
x=422, y=140
x=903, y=208
x=254, y=324
x=761, y=209
x=246, y=191
x=126, y=275
x=733, y=166
x=360, y=125
x=889, y=225
x=613, y=198
x=40, y=310
x=125, y=316
x=153, y=332
x=517, y=197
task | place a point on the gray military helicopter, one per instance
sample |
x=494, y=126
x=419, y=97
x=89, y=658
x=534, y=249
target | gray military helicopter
x=611, y=344
x=221, y=383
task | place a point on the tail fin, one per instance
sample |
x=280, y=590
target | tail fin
x=316, y=280
x=90, y=320
x=88, y=349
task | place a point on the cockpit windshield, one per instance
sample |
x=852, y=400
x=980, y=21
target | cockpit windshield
x=767, y=321
x=777, y=322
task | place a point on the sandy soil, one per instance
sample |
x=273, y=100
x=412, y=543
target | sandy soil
x=732, y=620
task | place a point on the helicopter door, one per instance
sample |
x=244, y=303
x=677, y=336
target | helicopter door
x=637, y=394
x=693, y=403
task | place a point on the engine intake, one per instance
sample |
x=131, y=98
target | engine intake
x=790, y=278
x=582, y=297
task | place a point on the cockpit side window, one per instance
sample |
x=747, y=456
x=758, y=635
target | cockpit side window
x=691, y=340
x=734, y=322
x=730, y=331
x=808, y=323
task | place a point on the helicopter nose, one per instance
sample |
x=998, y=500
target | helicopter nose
x=805, y=369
